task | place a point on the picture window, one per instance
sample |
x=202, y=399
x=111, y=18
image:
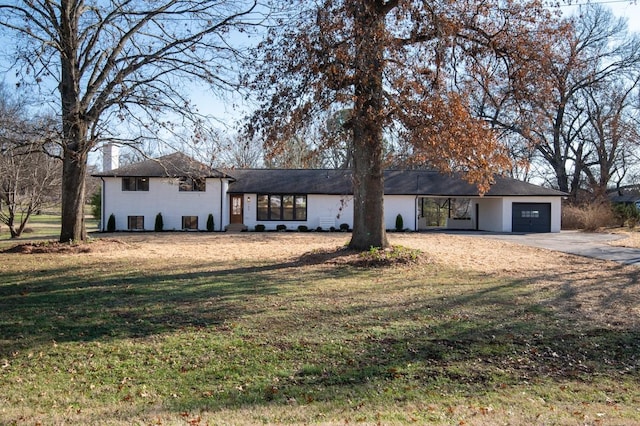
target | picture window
x=284, y=207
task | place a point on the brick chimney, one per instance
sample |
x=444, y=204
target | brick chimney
x=110, y=157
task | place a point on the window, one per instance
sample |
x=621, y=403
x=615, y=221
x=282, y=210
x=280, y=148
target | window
x=193, y=184
x=530, y=214
x=135, y=184
x=135, y=223
x=282, y=207
x=189, y=222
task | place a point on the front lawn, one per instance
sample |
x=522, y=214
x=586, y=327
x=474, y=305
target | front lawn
x=248, y=329
x=41, y=227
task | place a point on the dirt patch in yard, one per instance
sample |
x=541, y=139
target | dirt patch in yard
x=49, y=247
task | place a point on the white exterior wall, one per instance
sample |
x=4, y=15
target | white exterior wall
x=333, y=210
x=163, y=197
x=556, y=210
x=491, y=214
x=404, y=205
x=326, y=208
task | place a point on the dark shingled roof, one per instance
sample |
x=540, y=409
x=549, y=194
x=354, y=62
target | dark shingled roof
x=172, y=165
x=330, y=182
x=397, y=182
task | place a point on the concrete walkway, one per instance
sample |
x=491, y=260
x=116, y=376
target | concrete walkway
x=594, y=245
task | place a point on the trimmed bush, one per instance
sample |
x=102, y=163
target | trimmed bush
x=259, y=228
x=210, y=223
x=303, y=228
x=399, y=223
x=159, y=225
x=281, y=227
x=319, y=229
x=111, y=223
x=344, y=227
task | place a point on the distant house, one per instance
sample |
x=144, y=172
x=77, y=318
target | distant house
x=626, y=195
x=186, y=192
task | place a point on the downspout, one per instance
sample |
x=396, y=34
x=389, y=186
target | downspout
x=221, y=202
x=102, y=206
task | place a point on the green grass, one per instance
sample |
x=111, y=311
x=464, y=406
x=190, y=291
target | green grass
x=85, y=340
x=44, y=226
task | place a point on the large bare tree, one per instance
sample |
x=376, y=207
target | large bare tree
x=120, y=64
x=612, y=135
x=29, y=175
x=595, y=53
x=391, y=64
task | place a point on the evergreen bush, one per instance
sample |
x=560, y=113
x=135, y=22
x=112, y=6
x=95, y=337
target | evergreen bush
x=159, y=225
x=399, y=223
x=111, y=223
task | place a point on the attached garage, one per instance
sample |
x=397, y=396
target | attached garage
x=531, y=217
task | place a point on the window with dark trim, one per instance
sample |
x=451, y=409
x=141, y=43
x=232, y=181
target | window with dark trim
x=284, y=207
x=193, y=184
x=135, y=223
x=189, y=222
x=135, y=183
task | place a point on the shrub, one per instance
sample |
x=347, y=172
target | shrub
x=344, y=227
x=159, y=225
x=589, y=217
x=210, y=223
x=303, y=228
x=281, y=227
x=399, y=223
x=332, y=229
x=111, y=223
x=627, y=214
x=319, y=229
x=259, y=228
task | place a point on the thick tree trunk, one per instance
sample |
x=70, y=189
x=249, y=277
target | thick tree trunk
x=367, y=123
x=74, y=130
x=74, y=170
x=368, y=191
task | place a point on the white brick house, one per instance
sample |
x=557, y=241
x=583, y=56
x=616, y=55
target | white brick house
x=187, y=192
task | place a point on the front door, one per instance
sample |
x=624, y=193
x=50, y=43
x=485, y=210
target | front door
x=236, y=209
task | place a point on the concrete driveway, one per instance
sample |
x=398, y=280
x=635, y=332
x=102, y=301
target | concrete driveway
x=594, y=245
